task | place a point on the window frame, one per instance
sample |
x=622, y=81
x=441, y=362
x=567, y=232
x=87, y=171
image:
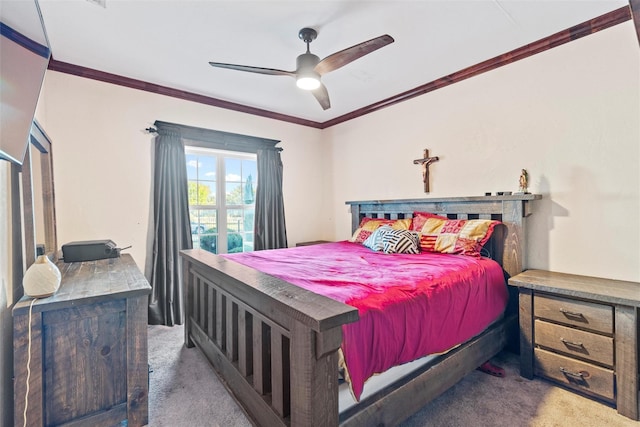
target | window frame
x=221, y=206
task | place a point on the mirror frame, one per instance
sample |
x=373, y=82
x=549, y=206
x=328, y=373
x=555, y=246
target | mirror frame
x=41, y=142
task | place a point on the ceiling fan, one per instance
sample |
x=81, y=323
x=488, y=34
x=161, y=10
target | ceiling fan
x=309, y=67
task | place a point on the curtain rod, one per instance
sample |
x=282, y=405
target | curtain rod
x=226, y=144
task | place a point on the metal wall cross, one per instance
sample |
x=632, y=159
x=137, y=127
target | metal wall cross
x=425, y=161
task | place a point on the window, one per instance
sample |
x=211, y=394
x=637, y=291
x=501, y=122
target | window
x=221, y=199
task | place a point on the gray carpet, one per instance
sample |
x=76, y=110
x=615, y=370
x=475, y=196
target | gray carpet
x=185, y=391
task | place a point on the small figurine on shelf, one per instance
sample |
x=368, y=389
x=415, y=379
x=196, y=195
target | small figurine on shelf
x=524, y=182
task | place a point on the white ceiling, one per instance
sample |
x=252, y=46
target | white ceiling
x=169, y=43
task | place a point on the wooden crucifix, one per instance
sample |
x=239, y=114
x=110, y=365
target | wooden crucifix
x=425, y=161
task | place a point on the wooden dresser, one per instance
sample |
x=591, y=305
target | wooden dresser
x=89, y=362
x=583, y=333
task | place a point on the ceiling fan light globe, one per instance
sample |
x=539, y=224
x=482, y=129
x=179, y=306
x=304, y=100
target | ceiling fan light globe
x=308, y=82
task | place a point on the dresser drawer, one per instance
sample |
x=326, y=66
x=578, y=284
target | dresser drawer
x=587, y=345
x=587, y=315
x=573, y=373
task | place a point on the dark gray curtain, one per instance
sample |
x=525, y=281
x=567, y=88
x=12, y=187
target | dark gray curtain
x=172, y=230
x=270, y=231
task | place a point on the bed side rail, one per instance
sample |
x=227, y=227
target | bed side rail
x=274, y=344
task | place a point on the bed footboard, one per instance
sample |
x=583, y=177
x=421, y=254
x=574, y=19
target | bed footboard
x=274, y=344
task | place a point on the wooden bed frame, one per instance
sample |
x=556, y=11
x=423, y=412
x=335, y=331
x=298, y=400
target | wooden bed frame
x=275, y=345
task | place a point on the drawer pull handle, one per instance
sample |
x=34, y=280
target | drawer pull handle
x=571, y=314
x=580, y=376
x=571, y=343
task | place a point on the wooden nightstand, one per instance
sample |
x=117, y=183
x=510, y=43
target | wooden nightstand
x=581, y=332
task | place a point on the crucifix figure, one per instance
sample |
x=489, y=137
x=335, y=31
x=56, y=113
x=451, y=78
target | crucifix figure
x=425, y=161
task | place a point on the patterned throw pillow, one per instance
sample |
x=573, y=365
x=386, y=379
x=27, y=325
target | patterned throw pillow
x=369, y=225
x=455, y=236
x=419, y=219
x=401, y=242
x=391, y=241
x=375, y=241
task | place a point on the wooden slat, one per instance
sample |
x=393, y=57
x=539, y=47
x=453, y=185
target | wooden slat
x=232, y=330
x=277, y=367
x=259, y=357
x=286, y=376
x=202, y=310
x=194, y=303
x=211, y=312
x=219, y=304
x=245, y=342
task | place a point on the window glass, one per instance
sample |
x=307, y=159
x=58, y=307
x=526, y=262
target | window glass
x=221, y=224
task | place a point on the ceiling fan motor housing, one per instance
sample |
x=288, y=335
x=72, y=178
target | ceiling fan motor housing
x=306, y=62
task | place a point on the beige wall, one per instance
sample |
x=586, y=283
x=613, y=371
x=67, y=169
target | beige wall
x=570, y=116
x=103, y=160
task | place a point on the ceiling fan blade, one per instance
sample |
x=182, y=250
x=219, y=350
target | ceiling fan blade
x=342, y=58
x=249, y=69
x=322, y=95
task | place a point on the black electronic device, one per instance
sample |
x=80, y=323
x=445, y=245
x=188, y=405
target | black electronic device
x=89, y=250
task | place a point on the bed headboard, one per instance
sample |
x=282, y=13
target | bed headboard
x=507, y=244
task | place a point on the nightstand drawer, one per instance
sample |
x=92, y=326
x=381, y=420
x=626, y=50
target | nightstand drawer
x=573, y=373
x=587, y=345
x=587, y=315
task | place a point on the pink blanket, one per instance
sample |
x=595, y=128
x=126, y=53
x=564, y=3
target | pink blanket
x=409, y=305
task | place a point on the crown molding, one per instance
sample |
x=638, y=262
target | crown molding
x=586, y=28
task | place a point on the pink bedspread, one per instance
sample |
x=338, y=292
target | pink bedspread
x=409, y=305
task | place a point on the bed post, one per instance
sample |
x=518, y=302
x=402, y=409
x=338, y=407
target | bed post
x=513, y=214
x=314, y=377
